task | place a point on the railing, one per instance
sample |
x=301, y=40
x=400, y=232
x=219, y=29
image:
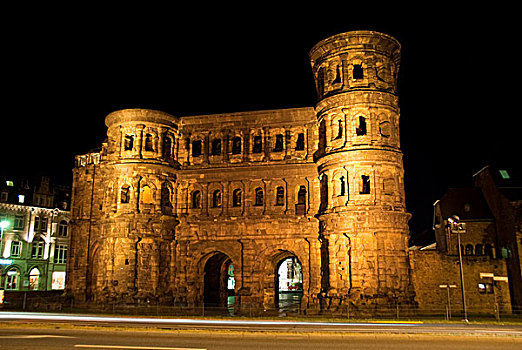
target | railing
x=30, y=301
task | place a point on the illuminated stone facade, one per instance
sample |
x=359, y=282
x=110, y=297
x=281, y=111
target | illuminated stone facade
x=169, y=203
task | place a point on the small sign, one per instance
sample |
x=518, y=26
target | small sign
x=443, y=286
x=486, y=275
x=6, y=261
x=500, y=278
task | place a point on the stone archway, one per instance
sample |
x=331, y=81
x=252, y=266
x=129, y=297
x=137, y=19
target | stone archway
x=283, y=293
x=219, y=283
x=288, y=284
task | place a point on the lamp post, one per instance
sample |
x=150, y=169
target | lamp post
x=3, y=225
x=456, y=226
x=447, y=287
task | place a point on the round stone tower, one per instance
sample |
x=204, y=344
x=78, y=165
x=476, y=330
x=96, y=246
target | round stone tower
x=363, y=219
x=124, y=215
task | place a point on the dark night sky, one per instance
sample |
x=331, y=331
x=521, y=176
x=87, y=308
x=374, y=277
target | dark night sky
x=458, y=82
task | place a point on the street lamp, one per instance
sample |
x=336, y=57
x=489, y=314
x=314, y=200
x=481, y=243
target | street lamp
x=456, y=226
x=448, y=286
x=3, y=225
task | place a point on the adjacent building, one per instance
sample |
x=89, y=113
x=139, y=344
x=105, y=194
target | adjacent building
x=490, y=226
x=34, y=216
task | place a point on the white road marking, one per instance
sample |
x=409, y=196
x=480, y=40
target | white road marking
x=35, y=336
x=130, y=347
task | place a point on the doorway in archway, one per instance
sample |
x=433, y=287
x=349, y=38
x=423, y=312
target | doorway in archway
x=289, y=284
x=219, y=284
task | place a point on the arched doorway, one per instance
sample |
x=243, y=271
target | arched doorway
x=34, y=279
x=219, y=283
x=289, y=284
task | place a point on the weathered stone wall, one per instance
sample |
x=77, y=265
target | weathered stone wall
x=430, y=269
x=168, y=196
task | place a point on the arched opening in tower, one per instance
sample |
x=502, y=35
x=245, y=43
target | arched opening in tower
x=219, y=284
x=289, y=284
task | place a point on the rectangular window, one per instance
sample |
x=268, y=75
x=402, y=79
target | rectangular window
x=9, y=183
x=196, y=148
x=16, y=248
x=60, y=254
x=299, y=145
x=37, y=250
x=58, y=281
x=485, y=288
x=21, y=198
x=258, y=144
x=4, y=196
x=19, y=222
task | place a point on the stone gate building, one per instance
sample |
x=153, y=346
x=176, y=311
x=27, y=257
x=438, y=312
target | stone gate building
x=170, y=203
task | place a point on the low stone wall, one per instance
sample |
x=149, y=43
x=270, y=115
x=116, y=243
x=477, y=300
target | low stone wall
x=34, y=300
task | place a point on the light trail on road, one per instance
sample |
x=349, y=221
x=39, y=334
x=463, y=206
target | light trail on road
x=85, y=318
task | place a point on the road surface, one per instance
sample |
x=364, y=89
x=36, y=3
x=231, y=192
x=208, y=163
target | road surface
x=59, y=331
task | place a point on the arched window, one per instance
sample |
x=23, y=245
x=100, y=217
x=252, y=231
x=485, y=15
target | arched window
x=216, y=147
x=62, y=229
x=478, y=250
x=469, y=249
x=34, y=277
x=339, y=126
x=365, y=186
x=166, y=205
x=361, y=129
x=342, y=186
x=12, y=279
x=300, y=207
x=258, y=201
x=128, y=143
x=146, y=195
x=300, y=144
x=167, y=147
x=324, y=192
x=278, y=147
x=148, y=143
x=236, y=197
x=125, y=194
x=196, y=200
x=488, y=250
x=236, y=145
x=258, y=144
x=389, y=186
x=280, y=196
x=216, y=199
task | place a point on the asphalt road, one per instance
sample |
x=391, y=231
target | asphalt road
x=59, y=331
x=15, y=339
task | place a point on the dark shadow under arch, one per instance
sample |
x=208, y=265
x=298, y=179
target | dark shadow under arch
x=216, y=290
